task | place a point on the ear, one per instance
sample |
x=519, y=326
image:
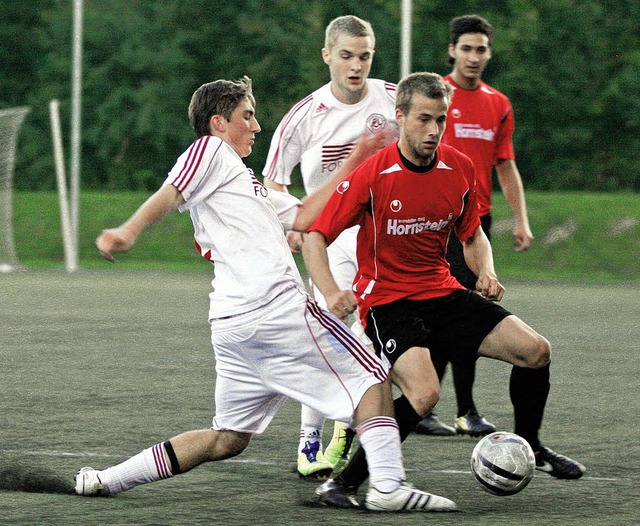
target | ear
x=399, y=117
x=326, y=55
x=452, y=49
x=217, y=123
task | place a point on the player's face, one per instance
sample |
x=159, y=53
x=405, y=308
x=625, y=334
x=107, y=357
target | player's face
x=471, y=55
x=421, y=128
x=349, y=62
x=240, y=131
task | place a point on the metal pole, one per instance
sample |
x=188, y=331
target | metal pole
x=405, y=43
x=76, y=96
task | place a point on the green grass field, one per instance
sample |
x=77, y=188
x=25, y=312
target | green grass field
x=585, y=236
x=101, y=364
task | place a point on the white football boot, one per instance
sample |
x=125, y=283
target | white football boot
x=407, y=498
x=88, y=483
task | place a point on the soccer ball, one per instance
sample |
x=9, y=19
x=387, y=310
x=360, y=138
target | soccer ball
x=503, y=463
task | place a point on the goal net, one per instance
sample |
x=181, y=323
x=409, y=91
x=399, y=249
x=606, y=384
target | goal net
x=10, y=122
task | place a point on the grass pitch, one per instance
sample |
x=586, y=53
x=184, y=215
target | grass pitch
x=101, y=364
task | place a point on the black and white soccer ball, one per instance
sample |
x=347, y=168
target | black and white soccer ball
x=503, y=463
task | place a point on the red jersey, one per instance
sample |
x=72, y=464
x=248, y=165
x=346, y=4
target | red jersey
x=405, y=219
x=480, y=123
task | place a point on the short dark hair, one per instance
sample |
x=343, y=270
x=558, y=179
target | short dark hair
x=220, y=97
x=430, y=85
x=462, y=25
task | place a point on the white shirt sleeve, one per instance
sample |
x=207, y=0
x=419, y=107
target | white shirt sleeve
x=286, y=206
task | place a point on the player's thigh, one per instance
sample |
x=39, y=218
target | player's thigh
x=515, y=342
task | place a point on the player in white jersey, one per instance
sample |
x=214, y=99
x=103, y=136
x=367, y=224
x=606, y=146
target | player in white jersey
x=270, y=340
x=318, y=133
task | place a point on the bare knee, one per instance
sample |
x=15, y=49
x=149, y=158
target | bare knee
x=231, y=443
x=540, y=354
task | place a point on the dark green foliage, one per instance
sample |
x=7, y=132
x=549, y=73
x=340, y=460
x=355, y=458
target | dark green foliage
x=571, y=69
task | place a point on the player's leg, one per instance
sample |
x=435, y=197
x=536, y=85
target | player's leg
x=513, y=341
x=412, y=371
x=311, y=463
x=244, y=405
x=163, y=460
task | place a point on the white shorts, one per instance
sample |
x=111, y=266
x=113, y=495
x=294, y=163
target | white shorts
x=288, y=348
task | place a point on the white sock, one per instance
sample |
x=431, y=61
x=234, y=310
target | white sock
x=380, y=438
x=311, y=427
x=147, y=466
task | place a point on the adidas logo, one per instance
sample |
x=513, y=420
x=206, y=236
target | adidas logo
x=321, y=107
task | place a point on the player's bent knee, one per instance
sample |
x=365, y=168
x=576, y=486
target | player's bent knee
x=541, y=355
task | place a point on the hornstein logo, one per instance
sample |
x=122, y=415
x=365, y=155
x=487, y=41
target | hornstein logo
x=376, y=122
x=395, y=205
x=343, y=187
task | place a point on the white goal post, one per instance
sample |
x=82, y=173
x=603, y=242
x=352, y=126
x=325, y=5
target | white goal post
x=10, y=121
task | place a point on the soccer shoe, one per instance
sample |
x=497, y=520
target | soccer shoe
x=311, y=463
x=407, y=498
x=474, y=425
x=88, y=483
x=332, y=493
x=338, y=452
x=432, y=425
x=558, y=465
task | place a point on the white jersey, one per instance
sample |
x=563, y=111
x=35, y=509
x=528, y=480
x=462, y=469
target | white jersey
x=319, y=132
x=239, y=226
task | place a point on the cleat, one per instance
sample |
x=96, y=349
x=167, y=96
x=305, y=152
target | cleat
x=432, y=425
x=407, y=498
x=338, y=452
x=88, y=483
x=336, y=495
x=473, y=424
x=311, y=463
x=558, y=465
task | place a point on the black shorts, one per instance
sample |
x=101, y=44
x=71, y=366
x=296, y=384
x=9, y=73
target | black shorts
x=451, y=327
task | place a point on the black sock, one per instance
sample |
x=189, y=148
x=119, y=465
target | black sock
x=173, y=459
x=529, y=390
x=357, y=470
x=463, y=377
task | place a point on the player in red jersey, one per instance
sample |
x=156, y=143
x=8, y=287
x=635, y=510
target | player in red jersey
x=480, y=124
x=408, y=199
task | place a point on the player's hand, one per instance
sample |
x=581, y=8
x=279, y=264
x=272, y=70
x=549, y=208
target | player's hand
x=522, y=238
x=295, y=239
x=490, y=287
x=372, y=142
x=342, y=303
x=114, y=240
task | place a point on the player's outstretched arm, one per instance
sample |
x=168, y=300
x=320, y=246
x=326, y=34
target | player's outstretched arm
x=479, y=258
x=341, y=303
x=157, y=207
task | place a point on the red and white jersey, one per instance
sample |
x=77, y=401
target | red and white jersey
x=480, y=124
x=405, y=219
x=319, y=132
x=239, y=226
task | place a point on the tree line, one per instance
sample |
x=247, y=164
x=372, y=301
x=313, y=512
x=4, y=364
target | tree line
x=570, y=67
